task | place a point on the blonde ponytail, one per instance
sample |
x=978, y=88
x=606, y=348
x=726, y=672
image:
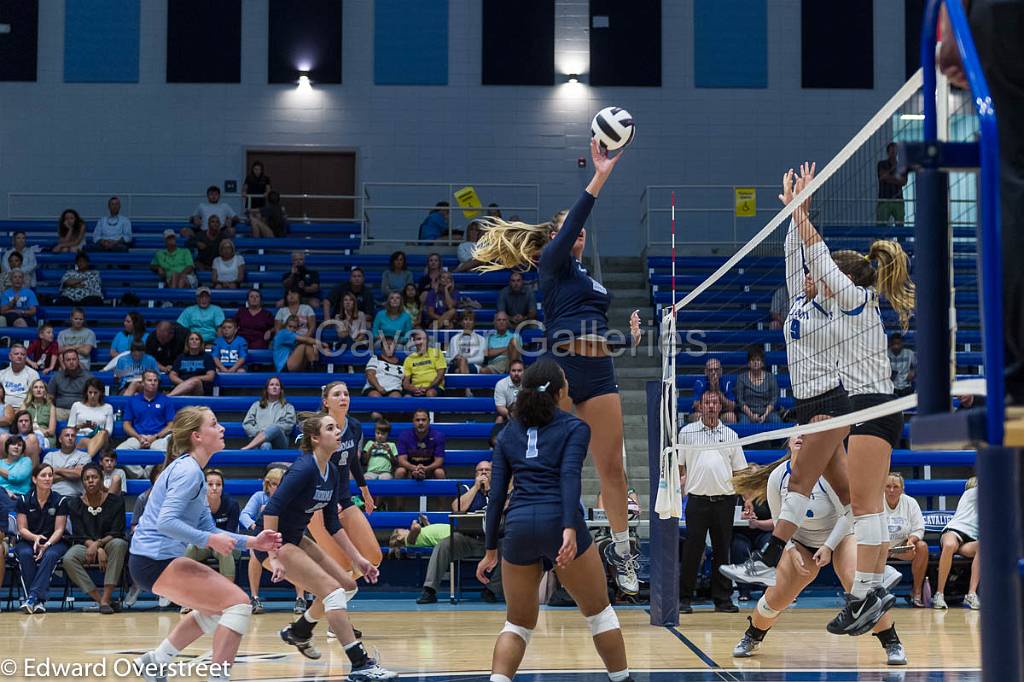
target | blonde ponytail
x=187, y=421
x=892, y=277
x=510, y=245
x=752, y=482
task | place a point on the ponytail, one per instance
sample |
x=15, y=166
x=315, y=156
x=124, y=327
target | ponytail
x=510, y=245
x=892, y=277
x=753, y=482
x=186, y=422
x=537, y=402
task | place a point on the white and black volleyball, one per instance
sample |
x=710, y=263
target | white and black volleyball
x=613, y=127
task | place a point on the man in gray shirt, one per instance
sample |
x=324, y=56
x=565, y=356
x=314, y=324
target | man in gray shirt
x=78, y=336
x=66, y=385
x=67, y=465
x=516, y=300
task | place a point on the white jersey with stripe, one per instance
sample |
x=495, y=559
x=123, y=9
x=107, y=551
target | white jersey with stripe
x=823, y=513
x=811, y=343
x=863, y=359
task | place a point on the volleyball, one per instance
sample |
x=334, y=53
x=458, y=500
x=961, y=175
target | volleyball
x=613, y=127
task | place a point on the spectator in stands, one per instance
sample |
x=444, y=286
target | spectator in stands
x=423, y=369
x=271, y=220
x=270, y=420
x=68, y=384
x=81, y=285
x=890, y=189
x=114, y=479
x=251, y=521
x=67, y=463
x=165, y=344
x=906, y=532
x=411, y=304
x=22, y=427
x=78, y=338
x=19, y=304
x=960, y=536
x=230, y=350
x=431, y=273
x=17, y=376
x=384, y=371
x=296, y=308
x=420, y=450
x=441, y=304
x=70, y=232
x=757, y=392
x=380, y=456
x=503, y=347
x=6, y=412
x=93, y=418
x=39, y=405
x=466, y=350
x=255, y=188
x=42, y=519
x=97, y=538
x=754, y=536
x=393, y=320
x=133, y=329
x=193, y=372
x=465, y=251
x=19, y=245
x=714, y=381
x=113, y=232
x=706, y=479
x=173, y=265
x=202, y=317
x=396, y=276
x=357, y=286
x=130, y=366
x=904, y=366
x=206, y=244
x=15, y=478
x=255, y=323
x=294, y=352
x=228, y=268
x=351, y=323
x=147, y=421
x=507, y=390
x=517, y=300
x=43, y=352
x=779, y=308
x=212, y=206
x=420, y=533
x=435, y=226
x=459, y=546
x=302, y=280
x=12, y=263
x=225, y=513
x=139, y=508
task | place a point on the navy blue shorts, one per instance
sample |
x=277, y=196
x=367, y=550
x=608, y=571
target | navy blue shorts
x=588, y=377
x=534, y=534
x=145, y=571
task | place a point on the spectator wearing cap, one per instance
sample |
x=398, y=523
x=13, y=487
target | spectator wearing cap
x=203, y=317
x=130, y=366
x=212, y=206
x=82, y=284
x=113, y=232
x=173, y=265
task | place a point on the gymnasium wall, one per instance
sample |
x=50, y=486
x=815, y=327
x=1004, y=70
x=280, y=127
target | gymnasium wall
x=152, y=136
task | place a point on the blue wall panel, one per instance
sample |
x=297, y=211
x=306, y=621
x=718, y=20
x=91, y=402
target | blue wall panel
x=410, y=45
x=101, y=41
x=730, y=43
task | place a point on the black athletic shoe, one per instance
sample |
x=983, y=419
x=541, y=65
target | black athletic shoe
x=489, y=597
x=726, y=607
x=305, y=646
x=860, y=615
x=429, y=596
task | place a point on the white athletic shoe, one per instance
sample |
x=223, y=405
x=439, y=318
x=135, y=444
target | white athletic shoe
x=148, y=669
x=972, y=601
x=895, y=654
x=891, y=578
x=753, y=571
x=624, y=568
x=939, y=601
x=746, y=647
x=131, y=597
x=372, y=672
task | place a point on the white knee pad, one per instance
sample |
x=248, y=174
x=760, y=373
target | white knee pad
x=237, y=617
x=765, y=610
x=883, y=527
x=603, y=622
x=794, y=507
x=868, y=529
x=518, y=630
x=206, y=623
x=336, y=601
x=351, y=594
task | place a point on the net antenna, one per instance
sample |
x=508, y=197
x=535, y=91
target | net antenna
x=669, y=502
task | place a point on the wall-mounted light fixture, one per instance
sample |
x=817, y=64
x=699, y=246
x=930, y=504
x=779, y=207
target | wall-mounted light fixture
x=304, y=81
x=574, y=78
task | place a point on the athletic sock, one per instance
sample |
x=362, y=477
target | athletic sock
x=862, y=584
x=302, y=628
x=308, y=617
x=356, y=653
x=876, y=579
x=619, y=676
x=495, y=677
x=621, y=540
x=165, y=653
x=755, y=633
x=773, y=552
x=887, y=637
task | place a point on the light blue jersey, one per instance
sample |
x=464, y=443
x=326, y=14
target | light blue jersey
x=177, y=513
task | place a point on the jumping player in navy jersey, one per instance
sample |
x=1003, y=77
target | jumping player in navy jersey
x=576, y=335
x=311, y=485
x=543, y=449
x=177, y=515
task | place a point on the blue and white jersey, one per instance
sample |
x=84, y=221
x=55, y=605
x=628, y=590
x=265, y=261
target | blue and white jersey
x=822, y=515
x=305, y=489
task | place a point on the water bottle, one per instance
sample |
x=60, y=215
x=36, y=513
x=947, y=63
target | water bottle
x=926, y=593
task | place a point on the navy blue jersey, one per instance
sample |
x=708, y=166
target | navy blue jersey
x=574, y=303
x=304, y=490
x=346, y=458
x=546, y=464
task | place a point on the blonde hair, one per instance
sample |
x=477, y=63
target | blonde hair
x=506, y=245
x=972, y=482
x=273, y=476
x=396, y=543
x=30, y=399
x=752, y=481
x=890, y=275
x=187, y=421
x=897, y=475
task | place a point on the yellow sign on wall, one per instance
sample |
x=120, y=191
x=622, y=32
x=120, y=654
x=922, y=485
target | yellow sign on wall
x=746, y=202
x=468, y=199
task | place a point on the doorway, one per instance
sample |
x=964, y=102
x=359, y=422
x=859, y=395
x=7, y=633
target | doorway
x=314, y=173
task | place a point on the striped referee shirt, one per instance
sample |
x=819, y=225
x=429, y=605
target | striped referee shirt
x=709, y=471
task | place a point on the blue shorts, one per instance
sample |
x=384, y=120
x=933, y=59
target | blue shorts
x=145, y=571
x=534, y=534
x=588, y=377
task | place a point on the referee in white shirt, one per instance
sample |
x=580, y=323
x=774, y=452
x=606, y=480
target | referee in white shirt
x=707, y=482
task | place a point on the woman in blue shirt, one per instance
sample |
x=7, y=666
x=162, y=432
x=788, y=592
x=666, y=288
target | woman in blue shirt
x=577, y=338
x=177, y=514
x=543, y=449
x=393, y=320
x=134, y=330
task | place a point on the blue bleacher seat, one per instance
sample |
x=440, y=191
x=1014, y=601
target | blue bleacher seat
x=261, y=458
x=311, y=402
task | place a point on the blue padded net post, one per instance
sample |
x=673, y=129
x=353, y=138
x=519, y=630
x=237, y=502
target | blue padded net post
x=664, y=533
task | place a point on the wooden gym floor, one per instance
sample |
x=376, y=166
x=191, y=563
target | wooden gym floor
x=454, y=642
